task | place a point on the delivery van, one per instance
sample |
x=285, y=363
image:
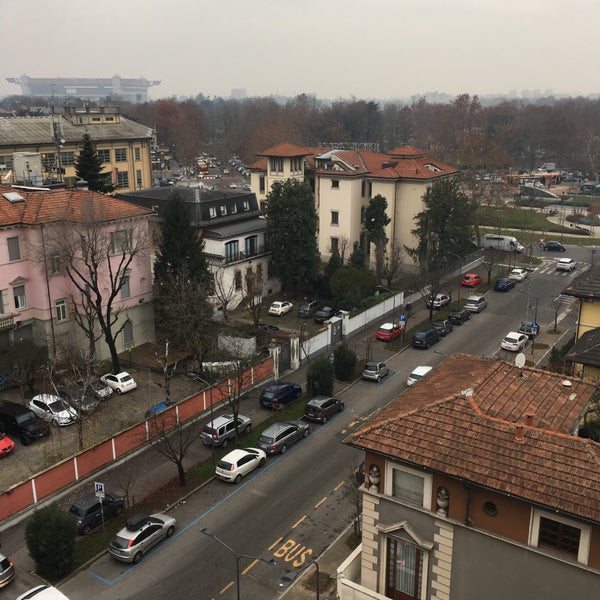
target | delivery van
x=505, y=243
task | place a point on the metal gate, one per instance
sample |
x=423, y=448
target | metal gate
x=336, y=331
x=284, y=358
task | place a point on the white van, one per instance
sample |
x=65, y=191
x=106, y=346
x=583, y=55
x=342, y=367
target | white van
x=43, y=592
x=506, y=243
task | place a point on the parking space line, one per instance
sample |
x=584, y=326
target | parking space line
x=298, y=522
x=275, y=543
x=245, y=571
x=320, y=502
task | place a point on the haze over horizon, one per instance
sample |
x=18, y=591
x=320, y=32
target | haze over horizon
x=381, y=49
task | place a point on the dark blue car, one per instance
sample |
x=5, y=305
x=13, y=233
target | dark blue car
x=504, y=284
x=279, y=394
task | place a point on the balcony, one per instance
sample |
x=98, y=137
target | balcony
x=7, y=322
x=233, y=257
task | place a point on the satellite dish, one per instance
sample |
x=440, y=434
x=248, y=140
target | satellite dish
x=520, y=360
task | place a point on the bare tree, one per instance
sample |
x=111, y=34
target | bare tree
x=354, y=494
x=254, y=290
x=391, y=264
x=492, y=258
x=224, y=289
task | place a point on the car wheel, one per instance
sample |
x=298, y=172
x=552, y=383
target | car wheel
x=306, y=432
x=137, y=557
x=298, y=394
x=341, y=406
x=283, y=449
x=324, y=419
x=86, y=529
x=170, y=531
x=54, y=422
x=25, y=441
x=118, y=511
x=119, y=391
x=261, y=462
x=248, y=428
x=237, y=479
x=225, y=443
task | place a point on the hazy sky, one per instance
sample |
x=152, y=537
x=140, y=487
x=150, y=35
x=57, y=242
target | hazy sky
x=337, y=48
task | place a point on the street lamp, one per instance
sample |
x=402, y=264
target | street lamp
x=382, y=287
x=291, y=576
x=238, y=557
x=212, y=441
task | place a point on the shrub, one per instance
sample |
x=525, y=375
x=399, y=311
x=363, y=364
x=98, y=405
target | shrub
x=344, y=362
x=319, y=377
x=50, y=536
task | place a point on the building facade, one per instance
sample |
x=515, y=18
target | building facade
x=344, y=181
x=38, y=301
x=41, y=151
x=478, y=486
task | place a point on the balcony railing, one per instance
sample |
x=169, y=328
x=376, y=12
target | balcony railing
x=6, y=322
x=233, y=257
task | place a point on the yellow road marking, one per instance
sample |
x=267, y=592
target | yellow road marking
x=298, y=522
x=320, y=502
x=230, y=584
x=339, y=485
x=275, y=543
x=249, y=567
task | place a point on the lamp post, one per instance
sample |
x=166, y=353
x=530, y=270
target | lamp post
x=291, y=576
x=382, y=287
x=238, y=557
x=212, y=441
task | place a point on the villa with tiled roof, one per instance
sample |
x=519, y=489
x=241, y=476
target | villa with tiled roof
x=344, y=181
x=38, y=302
x=478, y=486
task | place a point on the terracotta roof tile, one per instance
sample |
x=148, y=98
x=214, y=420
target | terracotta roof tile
x=475, y=437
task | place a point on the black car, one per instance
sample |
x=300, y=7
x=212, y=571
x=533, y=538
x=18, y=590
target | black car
x=21, y=422
x=442, y=326
x=320, y=408
x=324, y=314
x=425, y=338
x=308, y=308
x=553, y=247
x=459, y=316
x=90, y=511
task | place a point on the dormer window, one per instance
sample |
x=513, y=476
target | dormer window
x=335, y=184
x=212, y=212
x=222, y=210
x=246, y=205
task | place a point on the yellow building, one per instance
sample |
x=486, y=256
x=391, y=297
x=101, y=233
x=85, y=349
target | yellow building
x=41, y=150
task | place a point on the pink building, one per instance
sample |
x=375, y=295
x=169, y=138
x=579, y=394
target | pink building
x=38, y=301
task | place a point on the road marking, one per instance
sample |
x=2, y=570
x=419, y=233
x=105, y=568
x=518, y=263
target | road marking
x=230, y=584
x=245, y=571
x=298, y=522
x=339, y=485
x=275, y=543
x=320, y=502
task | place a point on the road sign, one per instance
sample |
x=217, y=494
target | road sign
x=99, y=489
x=402, y=317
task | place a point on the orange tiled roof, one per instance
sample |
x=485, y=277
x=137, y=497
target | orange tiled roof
x=51, y=206
x=285, y=149
x=435, y=426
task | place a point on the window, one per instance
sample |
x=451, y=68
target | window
x=335, y=217
x=138, y=178
x=212, y=212
x=296, y=164
x=232, y=251
x=56, y=266
x=369, y=189
x=48, y=161
x=104, y=155
x=120, y=241
x=120, y=154
x=407, y=485
x=276, y=165
x=3, y=302
x=19, y=296
x=222, y=210
x=261, y=184
x=259, y=272
x=335, y=244
x=67, y=159
x=245, y=206
x=14, y=250
x=559, y=534
x=250, y=245
x=128, y=333
x=122, y=179
x=137, y=153
x=6, y=162
x=335, y=184
x=404, y=570
x=362, y=214
x=125, y=291
x=60, y=307
x=238, y=280
x=362, y=188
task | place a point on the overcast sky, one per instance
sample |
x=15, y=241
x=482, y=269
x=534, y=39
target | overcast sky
x=381, y=49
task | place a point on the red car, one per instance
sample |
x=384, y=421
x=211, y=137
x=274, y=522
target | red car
x=388, y=332
x=7, y=446
x=470, y=280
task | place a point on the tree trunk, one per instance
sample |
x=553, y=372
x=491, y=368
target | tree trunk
x=181, y=473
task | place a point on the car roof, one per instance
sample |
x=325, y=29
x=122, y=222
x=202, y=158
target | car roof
x=236, y=454
x=318, y=400
x=277, y=427
x=421, y=370
x=476, y=297
x=513, y=333
x=565, y=260
x=386, y=326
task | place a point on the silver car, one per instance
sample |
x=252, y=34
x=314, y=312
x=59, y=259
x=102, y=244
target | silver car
x=475, y=304
x=140, y=534
x=374, y=371
x=277, y=438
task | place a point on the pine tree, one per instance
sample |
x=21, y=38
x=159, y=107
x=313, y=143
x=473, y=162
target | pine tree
x=89, y=167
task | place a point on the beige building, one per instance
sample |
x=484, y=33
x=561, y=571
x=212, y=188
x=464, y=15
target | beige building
x=345, y=180
x=40, y=151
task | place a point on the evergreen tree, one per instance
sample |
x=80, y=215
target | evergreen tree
x=335, y=262
x=376, y=220
x=89, y=167
x=292, y=233
x=358, y=258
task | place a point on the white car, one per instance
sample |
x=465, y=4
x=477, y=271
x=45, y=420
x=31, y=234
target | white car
x=518, y=274
x=280, y=308
x=43, y=592
x=417, y=374
x=238, y=463
x=514, y=341
x=53, y=409
x=565, y=264
x=121, y=382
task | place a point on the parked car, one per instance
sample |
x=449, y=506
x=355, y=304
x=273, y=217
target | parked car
x=552, y=246
x=22, y=422
x=158, y=408
x=442, y=326
x=459, y=316
x=7, y=446
x=99, y=389
x=475, y=304
x=425, y=338
x=267, y=326
x=222, y=429
x=518, y=274
x=470, y=280
x=504, y=284
x=280, y=393
x=43, y=592
x=514, y=341
x=89, y=511
x=531, y=330
x=7, y=570
x=280, y=308
x=565, y=264
x=418, y=373
x=388, y=332
x=120, y=382
x=140, y=534
x=238, y=463
x=53, y=409
x=375, y=371
x=308, y=308
x=439, y=301
x=320, y=408
x=277, y=438
x=324, y=314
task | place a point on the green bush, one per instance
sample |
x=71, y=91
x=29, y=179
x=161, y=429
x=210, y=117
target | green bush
x=50, y=536
x=319, y=377
x=344, y=362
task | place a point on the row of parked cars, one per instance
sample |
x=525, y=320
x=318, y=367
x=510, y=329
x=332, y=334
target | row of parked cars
x=309, y=308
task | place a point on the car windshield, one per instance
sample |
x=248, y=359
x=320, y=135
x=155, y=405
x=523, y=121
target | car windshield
x=226, y=466
x=120, y=542
x=75, y=510
x=268, y=394
x=25, y=417
x=266, y=440
x=510, y=340
x=370, y=367
x=125, y=378
x=55, y=406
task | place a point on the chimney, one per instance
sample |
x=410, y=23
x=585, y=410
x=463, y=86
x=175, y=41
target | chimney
x=519, y=435
x=529, y=419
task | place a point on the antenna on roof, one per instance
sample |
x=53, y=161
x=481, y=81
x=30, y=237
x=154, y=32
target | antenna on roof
x=520, y=363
